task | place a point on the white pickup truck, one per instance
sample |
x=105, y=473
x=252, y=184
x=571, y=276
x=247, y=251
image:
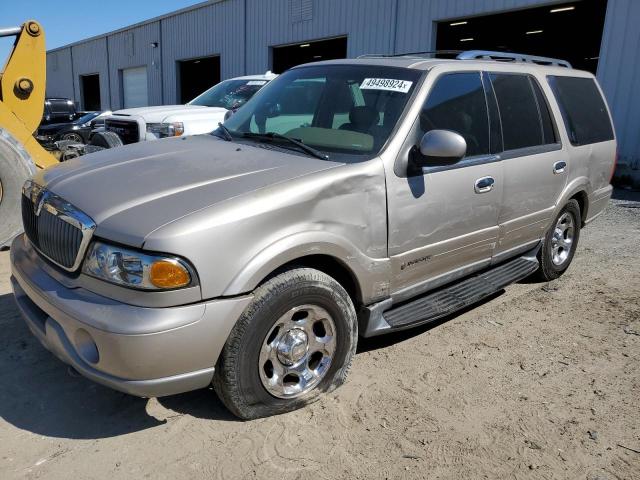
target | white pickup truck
x=200, y=115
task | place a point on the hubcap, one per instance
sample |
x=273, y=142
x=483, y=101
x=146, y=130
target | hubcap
x=73, y=137
x=293, y=346
x=562, y=239
x=297, y=352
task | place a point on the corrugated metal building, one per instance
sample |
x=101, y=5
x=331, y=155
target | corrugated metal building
x=245, y=35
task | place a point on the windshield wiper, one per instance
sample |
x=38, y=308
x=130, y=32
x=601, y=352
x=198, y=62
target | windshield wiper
x=273, y=135
x=226, y=133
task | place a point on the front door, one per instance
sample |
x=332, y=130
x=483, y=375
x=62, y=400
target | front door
x=443, y=220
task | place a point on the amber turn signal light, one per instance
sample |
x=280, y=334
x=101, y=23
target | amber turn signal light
x=166, y=274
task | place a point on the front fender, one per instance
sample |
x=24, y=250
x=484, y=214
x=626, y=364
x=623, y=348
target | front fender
x=370, y=274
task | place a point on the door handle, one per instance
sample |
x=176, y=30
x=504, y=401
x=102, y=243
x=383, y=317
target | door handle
x=484, y=185
x=559, y=167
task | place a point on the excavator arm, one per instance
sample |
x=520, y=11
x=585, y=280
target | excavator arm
x=22, y=89
x=22, y=93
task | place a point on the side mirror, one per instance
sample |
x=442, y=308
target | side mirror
x=441, y=147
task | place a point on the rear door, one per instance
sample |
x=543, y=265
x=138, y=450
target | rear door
x=534, y=163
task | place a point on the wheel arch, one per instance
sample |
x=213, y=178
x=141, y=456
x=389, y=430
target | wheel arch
x=363, y=278
x=578, y=190
x=583, y=201
x=328, y=264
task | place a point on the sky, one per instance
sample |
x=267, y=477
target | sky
x=67, y=21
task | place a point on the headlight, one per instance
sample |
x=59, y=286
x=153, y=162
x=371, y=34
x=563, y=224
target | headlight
x=174, y=129
x=136, y=269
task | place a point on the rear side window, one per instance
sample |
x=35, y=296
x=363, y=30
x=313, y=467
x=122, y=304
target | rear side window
x=520, y=112
x=583, y=110
x=457, y=102
x=548, y=125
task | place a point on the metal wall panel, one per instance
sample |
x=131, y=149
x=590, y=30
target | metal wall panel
x=59, y=74
x=619, y=75
x=369, y=25
x=215, y=29
x=88, y=58
x=134, y=48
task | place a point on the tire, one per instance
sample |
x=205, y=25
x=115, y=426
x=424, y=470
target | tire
x=106, y=140
x=15, y=168
x=556, y=255
x=301, y=296
x=73, y=137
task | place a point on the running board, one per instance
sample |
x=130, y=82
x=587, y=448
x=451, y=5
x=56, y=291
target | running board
x=385, y=318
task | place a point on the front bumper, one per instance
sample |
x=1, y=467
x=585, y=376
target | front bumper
x=95, y=334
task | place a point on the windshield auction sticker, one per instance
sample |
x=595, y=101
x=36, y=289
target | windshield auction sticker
x=256, y=82
x=389, y=84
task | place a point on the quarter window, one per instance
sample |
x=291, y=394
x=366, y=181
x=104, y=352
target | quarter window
x=583, y=110
x=457, y=102
x=519, y=114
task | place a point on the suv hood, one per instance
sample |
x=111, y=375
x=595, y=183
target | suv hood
x=133, y=190
x=160, y=113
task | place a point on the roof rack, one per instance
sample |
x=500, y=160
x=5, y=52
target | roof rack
x=425, y=54
x=477, y=54
x=511, y=57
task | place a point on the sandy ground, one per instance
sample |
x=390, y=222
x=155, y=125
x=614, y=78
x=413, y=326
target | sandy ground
x=541, y=381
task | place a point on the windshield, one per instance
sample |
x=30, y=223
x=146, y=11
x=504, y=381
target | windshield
x=342, y=110
x=86, y=118
x=229, y=94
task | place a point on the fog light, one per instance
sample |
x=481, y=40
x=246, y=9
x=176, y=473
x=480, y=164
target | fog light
x=86, y=347
x=168, y=274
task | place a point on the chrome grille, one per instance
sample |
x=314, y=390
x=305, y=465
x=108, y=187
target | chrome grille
x=58, y=230
x=127, y=130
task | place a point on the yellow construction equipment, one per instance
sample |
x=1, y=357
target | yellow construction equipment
x=22, y=93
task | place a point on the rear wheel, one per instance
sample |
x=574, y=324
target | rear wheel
x=15, y=168
x=106, y=140
x=294, y=341
x=560, y=243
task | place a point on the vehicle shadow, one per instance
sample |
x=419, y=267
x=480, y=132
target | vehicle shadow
x=628, y=195
x=42, y=395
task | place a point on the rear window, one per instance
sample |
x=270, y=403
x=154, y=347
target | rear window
x=583, y=110
x=60, y=105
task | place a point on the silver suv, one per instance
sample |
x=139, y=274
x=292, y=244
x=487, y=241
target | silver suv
x=347, y=198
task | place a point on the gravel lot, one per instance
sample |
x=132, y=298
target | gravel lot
x=541, y=381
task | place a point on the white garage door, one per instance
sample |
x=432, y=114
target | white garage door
x=134, y=87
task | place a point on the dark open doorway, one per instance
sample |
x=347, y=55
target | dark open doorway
x=90, y=88
x=570, y=31
x=289, y=56
x=197, y=75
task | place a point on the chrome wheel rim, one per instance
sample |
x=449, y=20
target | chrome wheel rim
x=297, y=352
x=562, y=239
x=74, y=137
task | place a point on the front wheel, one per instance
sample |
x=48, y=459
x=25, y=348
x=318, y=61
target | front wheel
x=560, y=243
x=294, y=341
x=73, y=137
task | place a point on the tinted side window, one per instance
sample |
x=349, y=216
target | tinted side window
x=548, y=125
x=583, y=110
x=457, y=102
x=518, y=111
